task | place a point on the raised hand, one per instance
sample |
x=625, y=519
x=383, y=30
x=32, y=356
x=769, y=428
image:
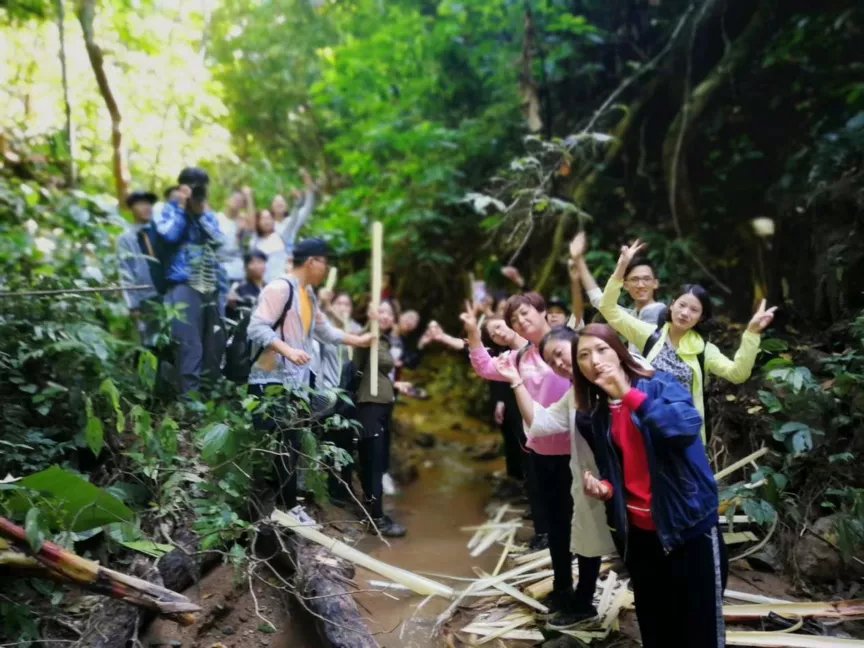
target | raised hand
x=500, y=408
x=628, y=253
x=469, y=319
x=513, y=274
x=612, y=380
x=762, y=318
x=506, y=368
x=578, y=245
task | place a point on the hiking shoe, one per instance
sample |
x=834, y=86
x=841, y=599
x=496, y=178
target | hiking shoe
x=389, y=528
x=566, y=619
x=539, y=541
x=388, y=485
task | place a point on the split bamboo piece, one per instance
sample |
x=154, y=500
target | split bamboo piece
x=508, y=544
x=512, y=592
x=496, y=519
x=752, y=598
x=728, y=470
x=513, y=625
x=418, y=584
x=739, y=537
x=491, y=538
x=377, y=265
x=785, y=640
x=332, y=276
x=515, y=635
x=853, y=609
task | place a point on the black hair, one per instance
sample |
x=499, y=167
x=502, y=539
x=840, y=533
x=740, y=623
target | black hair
x=640, y=261
x=703, y=326
x=167, y=193
x=557, y=334
x=254, y=254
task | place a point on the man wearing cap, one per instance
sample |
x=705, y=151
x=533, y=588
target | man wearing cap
x=192, y=276
x=135, y=258
x=288, y=347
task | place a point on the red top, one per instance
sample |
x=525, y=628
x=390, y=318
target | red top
x=637, y=477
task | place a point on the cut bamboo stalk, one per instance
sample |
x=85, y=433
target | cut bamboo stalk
x=606, y=597
x=418, y=584
x=490, y=527
x=736, y=519
x=530, y=557
x=377, y=277
x=752, y=598
x=849, y=610
x=728, y=470
x=784, y=640
x=332, y=276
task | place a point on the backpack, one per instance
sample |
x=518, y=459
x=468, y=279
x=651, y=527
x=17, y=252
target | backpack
x=159, y=254
x=652, y=341
x=238, y=350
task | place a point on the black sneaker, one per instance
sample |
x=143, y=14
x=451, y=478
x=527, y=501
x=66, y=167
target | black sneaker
x=389, y=528
x=566, y=619
x=539, y=541
x=553, y=605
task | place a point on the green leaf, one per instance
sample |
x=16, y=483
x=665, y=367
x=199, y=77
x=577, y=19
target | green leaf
x=770, y=401
x=35, y=536
x=218, y=440
x=760, y=511
x=94, y=434
x=110, y=390
x=148, y=547
x=774, y=345
x=790, y=428
x=802, y=441
x=77, y=505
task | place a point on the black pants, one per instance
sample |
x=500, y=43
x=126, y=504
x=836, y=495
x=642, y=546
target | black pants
x=339, y=481
x=512, y=430
x=536, y=495
x=679, y=596
x=285, y=463
x=372, y=453
x=554, y=479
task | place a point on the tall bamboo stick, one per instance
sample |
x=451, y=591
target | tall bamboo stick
x=377, y=261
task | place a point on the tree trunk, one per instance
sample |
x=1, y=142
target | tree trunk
x=527, y=85
x=67, y=108
x=676, y=143
x=86, y=13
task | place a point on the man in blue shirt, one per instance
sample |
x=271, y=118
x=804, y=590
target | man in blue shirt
x=191, y=236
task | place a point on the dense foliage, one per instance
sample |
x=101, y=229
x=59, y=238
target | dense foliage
x=728, y=134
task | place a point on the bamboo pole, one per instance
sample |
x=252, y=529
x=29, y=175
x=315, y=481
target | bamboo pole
x=784, y=640
x=71, y=291
x=377, y=265
x=728, y=470
x=332, y=276
x=418, y=584
x=851, y=609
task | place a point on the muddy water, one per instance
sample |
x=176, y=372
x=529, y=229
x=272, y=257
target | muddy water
x=451, y=491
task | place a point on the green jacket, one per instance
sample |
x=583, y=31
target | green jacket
x=386, y=364
x=637, y=332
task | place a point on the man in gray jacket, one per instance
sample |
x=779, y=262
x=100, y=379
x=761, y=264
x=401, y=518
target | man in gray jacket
x=284, y=323
x=135, y=257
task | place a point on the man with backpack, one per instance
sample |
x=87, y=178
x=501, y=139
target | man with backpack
x=283, y=324
x=188, y=238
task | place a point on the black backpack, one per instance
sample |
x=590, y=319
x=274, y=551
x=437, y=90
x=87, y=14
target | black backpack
x=238, y=350
x=159, y=254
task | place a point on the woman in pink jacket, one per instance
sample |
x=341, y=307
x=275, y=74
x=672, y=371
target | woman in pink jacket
x=550, y=453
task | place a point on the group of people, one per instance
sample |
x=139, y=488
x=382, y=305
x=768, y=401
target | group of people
x=606, y=422
x=241, y=272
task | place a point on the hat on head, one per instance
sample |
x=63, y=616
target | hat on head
x=141, y=196
x=193, y=176
x=556, y=301
x=311, y=247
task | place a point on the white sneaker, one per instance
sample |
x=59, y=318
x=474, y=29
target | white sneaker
x=388, y=484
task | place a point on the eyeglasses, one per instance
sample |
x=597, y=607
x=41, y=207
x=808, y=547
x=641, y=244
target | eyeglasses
x=637, y=281
x=323, y=260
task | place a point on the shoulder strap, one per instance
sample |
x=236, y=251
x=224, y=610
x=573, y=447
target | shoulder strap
x=652, y=340
x=278, y=323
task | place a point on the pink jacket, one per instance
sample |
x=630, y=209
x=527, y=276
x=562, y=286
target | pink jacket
x=545, y=387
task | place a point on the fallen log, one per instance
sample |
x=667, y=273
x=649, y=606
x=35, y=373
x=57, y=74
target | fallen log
x=321, y=589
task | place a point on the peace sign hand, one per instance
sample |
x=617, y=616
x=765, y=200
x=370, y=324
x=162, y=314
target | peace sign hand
x=628, y=253
x=762, y=318
x=469, y=319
